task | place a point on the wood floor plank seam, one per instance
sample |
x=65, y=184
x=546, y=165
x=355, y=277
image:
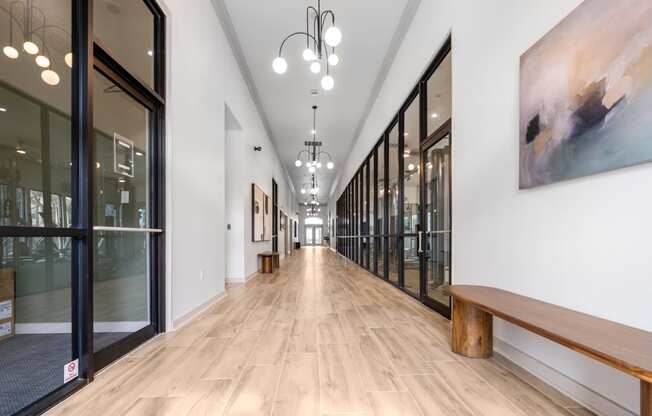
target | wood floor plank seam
x=318, y=337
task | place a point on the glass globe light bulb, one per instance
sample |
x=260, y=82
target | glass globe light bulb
x=50, y=77
x=10, y=52
x=303, y=190
x=333, y=36
x=311, y=169
x=333, y=59
x=42, y=61
x=280, y=65
x=315, y=67
x=308, y=55
x=411, y=167
x=68, y=59
x=30, y=47
x=327, y=83
x=330, y=165
x=318, y=165
x=297, y=163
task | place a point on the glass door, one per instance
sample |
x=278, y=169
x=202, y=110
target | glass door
x=435, y=239
x=125, y=274
x=318, y=237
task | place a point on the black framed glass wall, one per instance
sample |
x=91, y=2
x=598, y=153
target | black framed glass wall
x=411, y=195
x=76, y=292
x=405, y=186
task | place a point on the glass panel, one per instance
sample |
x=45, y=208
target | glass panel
x=439, y=96
x=365, y=207
x=392, y=258
x=126, y=28
x=411, y=265
x=318, y=239
x=393, y=181
x=380, y=221
x=438, y=198
x=371, y=205
x=411, y=165
x=35, y=145
x=122, y=282
x=121, y=147
x=121, y=286
x=35, y=318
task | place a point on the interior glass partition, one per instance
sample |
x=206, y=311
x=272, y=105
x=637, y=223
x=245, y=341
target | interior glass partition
x=398, y=203
x=371, y=219
x=411, y=197
x=71, y=284
x=393, y=252
x=381, y=224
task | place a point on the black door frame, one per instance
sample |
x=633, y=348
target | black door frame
x=441, y=133
x=90, y=55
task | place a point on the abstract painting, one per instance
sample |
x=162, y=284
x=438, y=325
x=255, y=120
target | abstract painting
x=586, y=94
x=258, y=214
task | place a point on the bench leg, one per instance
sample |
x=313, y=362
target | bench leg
x=646, y=398
x=472, y=331
x=267, y=265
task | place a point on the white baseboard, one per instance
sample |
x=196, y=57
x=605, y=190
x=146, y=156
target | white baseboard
x=179, y=322
x=66, y=327
x=240, y=280
x=571, y=388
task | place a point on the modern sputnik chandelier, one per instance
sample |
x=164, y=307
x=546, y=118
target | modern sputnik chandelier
x=312, y=187
x=30, y=23
x=318, y=40
x=313, y=154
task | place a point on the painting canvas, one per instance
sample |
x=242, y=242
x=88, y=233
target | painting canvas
x=258, y=213
x=586, y=94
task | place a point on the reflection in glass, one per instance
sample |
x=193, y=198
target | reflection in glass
x=371, y=205
x=35, y=276
x=411, y=265
x=439, y=96
x=121, y=286
x=122, y=283
x=438, y=236
x=392, y=195
x=410, y=155
x=126, y=28
x=380, y=222
x=120, y=195
x=35, y=151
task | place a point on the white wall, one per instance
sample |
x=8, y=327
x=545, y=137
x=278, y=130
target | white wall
x=581, y=244
x=203, y=77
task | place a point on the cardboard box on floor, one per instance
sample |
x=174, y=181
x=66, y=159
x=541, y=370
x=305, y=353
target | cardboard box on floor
x=7, y=303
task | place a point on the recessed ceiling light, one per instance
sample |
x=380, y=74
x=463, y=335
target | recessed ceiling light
x=3, y=110
x=434, y=115
x=150, y=52
x=406, y=134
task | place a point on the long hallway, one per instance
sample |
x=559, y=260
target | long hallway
x=318, y=337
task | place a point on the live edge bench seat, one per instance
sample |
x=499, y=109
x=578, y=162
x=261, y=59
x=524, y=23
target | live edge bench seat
x=622, y=347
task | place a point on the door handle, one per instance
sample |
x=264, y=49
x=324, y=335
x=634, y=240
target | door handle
x=420, y=242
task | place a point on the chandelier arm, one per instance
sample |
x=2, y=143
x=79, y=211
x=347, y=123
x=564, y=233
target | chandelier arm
x=325, y=15
x=327, y=154
x=299, y=154
x=280, y=49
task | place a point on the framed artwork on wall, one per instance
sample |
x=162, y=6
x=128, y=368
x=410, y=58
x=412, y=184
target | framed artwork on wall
x=586, y=94
x=259, y=207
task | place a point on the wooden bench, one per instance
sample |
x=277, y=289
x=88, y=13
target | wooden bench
x=269, y=261
x=622, y=347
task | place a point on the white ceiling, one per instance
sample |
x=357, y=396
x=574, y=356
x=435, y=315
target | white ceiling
x=369, y=29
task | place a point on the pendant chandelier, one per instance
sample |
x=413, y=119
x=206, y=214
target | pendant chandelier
x=313, y=153
x=30, y=23
x=318, y=40
x=313, y=187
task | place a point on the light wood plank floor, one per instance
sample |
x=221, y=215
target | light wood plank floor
x=318, y=337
